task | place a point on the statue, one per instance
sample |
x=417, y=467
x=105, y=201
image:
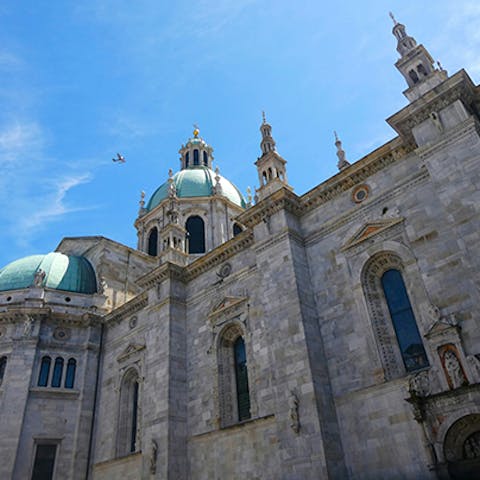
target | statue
x=293, y=403
x=28, y=326
x=454, y=370
x=38, y=278
x=153, y=457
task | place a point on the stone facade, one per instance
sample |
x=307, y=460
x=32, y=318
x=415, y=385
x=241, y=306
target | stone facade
x=330, y=393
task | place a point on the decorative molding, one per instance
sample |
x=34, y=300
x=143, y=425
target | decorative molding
x=129, y=308
x=369, y=230
x=132, y=349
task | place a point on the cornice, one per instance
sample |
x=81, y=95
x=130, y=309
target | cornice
x=283, y=199
x=127, y=309
x=457, y=87
x=222, y=253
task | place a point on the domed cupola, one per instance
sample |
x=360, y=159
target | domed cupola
x=193, y=211
x=55, y=270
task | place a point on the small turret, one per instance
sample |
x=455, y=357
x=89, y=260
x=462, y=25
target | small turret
x=271, y=167
x=415, y=64
x=196, y=152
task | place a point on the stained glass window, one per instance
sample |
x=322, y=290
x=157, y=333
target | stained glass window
x=408, y=336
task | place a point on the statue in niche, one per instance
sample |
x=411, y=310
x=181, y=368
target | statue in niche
x=293, y=403
x=471, y=447
x=38, y=278
x=454, y=370
x=28, y=326
x=153, y=457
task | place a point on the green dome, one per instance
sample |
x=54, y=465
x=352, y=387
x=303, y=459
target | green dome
x=62, y=272
x=197, y=182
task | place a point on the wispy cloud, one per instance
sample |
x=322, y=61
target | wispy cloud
x=53, y=204
x=32, y=193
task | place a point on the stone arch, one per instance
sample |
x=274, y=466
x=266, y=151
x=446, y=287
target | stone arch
x=395, y=362
x=461, y=447
x=228, y=395
x=128, y=413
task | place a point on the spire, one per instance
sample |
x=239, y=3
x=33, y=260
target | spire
x=271, y=167
x=268, y=143
x=342, y=160
x=415, y=64
x=405, y=43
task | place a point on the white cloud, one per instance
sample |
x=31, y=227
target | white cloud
x=52, y=206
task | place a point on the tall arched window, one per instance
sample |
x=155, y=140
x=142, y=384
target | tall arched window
x=233, y=389
x=408, y=336
x=57, y=372
x=153, y=242
x=187, y=159
x=241, y=377
x=196, y=160
x=393, y=319
x=70, y=376
x=44, y=372
x=127, y=437
x=205, y=158
x=196, y=234
x=3, y=366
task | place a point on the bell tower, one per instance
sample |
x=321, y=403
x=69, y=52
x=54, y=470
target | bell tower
x=415, y=64
x=271, y=167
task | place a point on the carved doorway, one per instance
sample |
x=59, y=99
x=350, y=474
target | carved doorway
x=462, y=448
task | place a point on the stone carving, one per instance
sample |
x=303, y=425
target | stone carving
x=61, y=333
x=28, y=326
x=38, y=278
x=471, y=448
x=102, y=287
x=419, y=384
x=293, y=403
x=172, y=189
x=455, y=376
x=153, y=457
x=474, y=362
x=133, y=322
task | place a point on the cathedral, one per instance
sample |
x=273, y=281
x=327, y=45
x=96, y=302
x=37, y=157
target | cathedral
x=329, y=335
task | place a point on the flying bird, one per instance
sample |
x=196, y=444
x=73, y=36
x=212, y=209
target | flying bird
x=119, y=159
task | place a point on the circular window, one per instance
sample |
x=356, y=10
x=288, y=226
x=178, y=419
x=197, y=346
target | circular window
x=360, y=193
x=133, y=322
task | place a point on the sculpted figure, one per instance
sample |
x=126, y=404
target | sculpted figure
x=294, y=418
x=153, y=457
x=38, y=278
x=28, y=326
x=454, y=369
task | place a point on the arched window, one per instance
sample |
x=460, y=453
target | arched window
x=153, y=242
x=196, y=160
x=127, y=437
x=236, y=229
x=205, y=158
x=57, y=372
x=44, y=372
x=264, y=177
x=408, y=336
x=70, y=376
x=3, y=366
x=241, y=377
x=421, y=70
x=393, y=320
x=187, y=159
x=196, y=234
x=413, y=75
x=234, y=394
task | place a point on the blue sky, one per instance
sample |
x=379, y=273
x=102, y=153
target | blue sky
x=84, y=80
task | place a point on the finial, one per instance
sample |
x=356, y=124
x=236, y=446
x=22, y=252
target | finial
x=393, y=18
x=342, y=160
x=196, y=130
x=264, y=118
x=170, y=173
x=142, y=198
